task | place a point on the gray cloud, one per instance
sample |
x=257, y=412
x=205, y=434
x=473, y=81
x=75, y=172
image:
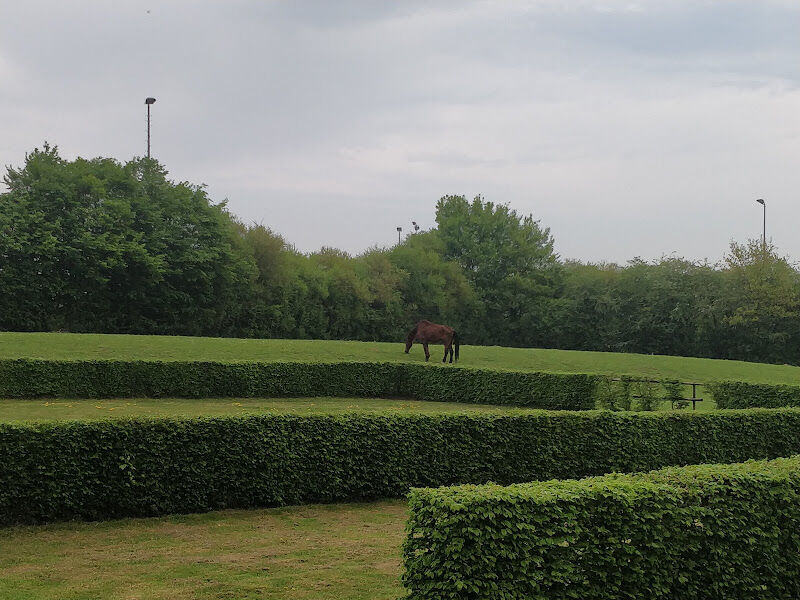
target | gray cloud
x=629, y=128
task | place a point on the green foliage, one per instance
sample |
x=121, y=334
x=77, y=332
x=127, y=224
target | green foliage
x=509, y=260
x=637, y=393
x=25, y=378
x=663, y=307
x=101, y=246
x=153, y=379
x=122, y=468
x=737, y=394
x=433, y=287
x=553, y=391
x=614, y=394
x=94, y=245
x=701, y=532
x=762, y=297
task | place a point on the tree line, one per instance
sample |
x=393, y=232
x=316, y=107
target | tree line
x=103, y=246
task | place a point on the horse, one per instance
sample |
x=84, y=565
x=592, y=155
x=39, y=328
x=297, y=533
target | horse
x=431, y=333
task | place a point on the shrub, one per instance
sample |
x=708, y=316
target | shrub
x=24, y=378
x=553, y=391
x=142, y=467
x=701, y=532
x=737, y=394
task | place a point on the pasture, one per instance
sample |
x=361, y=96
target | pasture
x=315, y=552
x=68, y=346
x=60, y=409
x=347, y=550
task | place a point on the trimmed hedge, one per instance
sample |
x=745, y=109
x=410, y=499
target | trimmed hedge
x=736, y=394
x=552, y=391
x=703, y=532
x=25, y=378
x=144, y=467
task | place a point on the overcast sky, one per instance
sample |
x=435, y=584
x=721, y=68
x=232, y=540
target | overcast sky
x=629, y=128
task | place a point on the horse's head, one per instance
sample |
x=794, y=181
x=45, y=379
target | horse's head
x=410, y=339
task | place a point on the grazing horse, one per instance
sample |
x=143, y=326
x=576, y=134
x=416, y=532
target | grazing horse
x=431, y=333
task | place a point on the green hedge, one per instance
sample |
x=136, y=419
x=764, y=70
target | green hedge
x=736, y=394
x=552, y=391
x=704, y=532
x=141, y=467
x=26, y=378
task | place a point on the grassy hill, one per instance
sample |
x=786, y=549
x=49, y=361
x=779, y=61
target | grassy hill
x=68, y=346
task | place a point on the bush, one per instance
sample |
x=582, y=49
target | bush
x=24, y=378
x=736, y=394
x=701, y=532
x=143, y=467
x=553, y=391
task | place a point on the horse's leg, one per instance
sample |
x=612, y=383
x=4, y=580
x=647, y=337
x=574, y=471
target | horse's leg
x=446, y=348
x=427, y=354
x=450, y=347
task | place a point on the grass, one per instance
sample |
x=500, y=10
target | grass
x=66, y=346
x=15, y=411
x=344, y=551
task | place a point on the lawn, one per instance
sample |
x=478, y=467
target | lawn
x=12, y=411
x=342, y=551
x=65, y=346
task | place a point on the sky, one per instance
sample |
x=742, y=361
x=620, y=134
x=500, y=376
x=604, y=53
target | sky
x=629, y=128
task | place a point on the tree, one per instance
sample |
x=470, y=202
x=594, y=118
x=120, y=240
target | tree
x=433, y=288
x=94, y=245
x=762, y=304
x=509, y=259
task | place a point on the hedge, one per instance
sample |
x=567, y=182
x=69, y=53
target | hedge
x=709, y=532
x=736, y=394
x=25, y=378
x=143, y=467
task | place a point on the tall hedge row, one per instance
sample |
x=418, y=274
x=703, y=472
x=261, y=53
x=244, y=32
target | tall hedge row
x=140, y=467
x=710, y=532
x=736, y=394
x=25, y=378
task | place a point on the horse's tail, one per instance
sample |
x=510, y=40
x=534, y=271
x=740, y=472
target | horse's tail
x=455, y=342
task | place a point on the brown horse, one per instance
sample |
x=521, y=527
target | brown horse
x=431, y=333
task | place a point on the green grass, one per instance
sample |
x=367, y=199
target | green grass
x=345, y=551
x=67, y=346
x=15, y=411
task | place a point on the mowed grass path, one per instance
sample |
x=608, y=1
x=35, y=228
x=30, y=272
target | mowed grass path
x=345, y=551
x=15, y=411
x=66, y=346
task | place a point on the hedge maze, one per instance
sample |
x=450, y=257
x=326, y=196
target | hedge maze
x=684, y=531
x=710, y=531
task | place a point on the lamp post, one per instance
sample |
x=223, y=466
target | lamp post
x=148, y=101
x=764, y=233
x=399, y=230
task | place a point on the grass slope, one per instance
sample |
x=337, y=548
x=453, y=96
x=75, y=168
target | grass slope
x=66, y=346
x=345, y=551
x=16, y=411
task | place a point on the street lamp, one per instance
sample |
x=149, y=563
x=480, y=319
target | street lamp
x=399, y=231
x=148, y=101
x=764, y=234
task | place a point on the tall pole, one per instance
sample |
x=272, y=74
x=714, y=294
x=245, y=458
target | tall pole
x=148, y=101
x=399, y=230
x=764, y=230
